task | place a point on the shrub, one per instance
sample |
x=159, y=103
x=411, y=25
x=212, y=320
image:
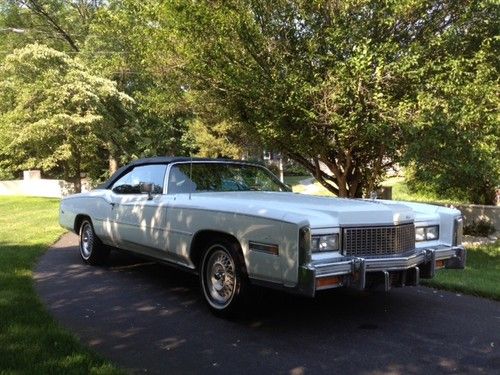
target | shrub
x=482, y=228
x=295, y=169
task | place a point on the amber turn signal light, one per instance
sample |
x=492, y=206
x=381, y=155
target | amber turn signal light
x=440, y=264
x=328, y=281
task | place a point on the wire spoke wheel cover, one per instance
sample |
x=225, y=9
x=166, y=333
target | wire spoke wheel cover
x=86, y=240
x=92, y=250
x=219, y=277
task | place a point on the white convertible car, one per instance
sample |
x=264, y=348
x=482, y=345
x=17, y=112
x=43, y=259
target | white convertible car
x=234, y=223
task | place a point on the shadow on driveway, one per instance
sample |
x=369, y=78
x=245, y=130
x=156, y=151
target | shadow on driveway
x=149, y=317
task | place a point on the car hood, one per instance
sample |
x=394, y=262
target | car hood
x=321, y=212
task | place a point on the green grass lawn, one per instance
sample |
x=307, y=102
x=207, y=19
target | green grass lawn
x=294, y=180
x=30, y=341
x=297, y=187
x=481, y=276
x=401, y=192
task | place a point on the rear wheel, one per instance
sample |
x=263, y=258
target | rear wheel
x=92, y=250
x=223, y=277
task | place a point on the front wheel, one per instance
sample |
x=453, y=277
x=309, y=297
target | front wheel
x=222, y=277
x=92, y=250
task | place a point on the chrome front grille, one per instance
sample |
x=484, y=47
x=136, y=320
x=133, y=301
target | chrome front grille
x=373, y=241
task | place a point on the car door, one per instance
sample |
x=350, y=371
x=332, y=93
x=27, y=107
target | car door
x=139, y=218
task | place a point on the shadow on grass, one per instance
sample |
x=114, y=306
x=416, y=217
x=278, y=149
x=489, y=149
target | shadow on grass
x=30, y=341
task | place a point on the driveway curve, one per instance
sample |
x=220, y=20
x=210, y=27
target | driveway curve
x=150, y=318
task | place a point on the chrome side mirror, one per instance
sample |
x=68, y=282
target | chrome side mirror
x=147, y=188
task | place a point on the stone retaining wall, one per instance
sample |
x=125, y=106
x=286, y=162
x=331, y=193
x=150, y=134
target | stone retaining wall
x=39, y=188
x=36, y=188
x=476, y=212
x=471, y=212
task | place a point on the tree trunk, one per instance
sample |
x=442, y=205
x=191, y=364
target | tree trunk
x=77, y=179
x=113, y=164
x=343, y=188
x=77, y=184
x=345, y=176
x=112, y=157
x=282, y=178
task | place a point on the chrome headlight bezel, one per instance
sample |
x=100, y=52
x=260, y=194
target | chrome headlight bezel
x=304, y=245
x=427, y=233
x=458, y=231
x=321, y=243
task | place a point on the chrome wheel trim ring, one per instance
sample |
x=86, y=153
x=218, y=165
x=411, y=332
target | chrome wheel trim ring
x=86, y=241
x=219, y=277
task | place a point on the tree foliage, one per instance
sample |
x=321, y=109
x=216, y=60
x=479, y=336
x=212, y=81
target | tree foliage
x=331, y=84
x=453, y=149
x=124, y=44
x=215, y=140
x=56, y=116
x=112, y=40
x=346, y=88
x=60, y=24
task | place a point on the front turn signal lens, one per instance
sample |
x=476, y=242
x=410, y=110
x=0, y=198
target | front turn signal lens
x=440, y=264
x=324, y=282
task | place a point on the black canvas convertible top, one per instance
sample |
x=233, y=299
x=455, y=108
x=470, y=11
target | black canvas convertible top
x=156, y=160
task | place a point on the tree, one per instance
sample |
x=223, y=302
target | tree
x=345, y=88
x=454, y=145
x=116, y=40
x=124, y=44
x=59, y=24
x=217, y=140
x=56, y=116
x=328, y=83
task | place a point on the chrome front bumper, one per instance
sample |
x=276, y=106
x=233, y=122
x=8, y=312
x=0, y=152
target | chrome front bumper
x=401, y=270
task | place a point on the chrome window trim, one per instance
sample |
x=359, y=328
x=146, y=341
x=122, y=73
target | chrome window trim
x=236, y=162
x=131, y=170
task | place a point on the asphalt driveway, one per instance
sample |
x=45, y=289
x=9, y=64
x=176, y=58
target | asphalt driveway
x=150, y=318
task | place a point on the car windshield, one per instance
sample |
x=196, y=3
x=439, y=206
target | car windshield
x=197, y=177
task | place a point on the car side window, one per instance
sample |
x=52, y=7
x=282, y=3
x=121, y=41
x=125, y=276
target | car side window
x=179, y=182
x=187, y=178
x=131, y=182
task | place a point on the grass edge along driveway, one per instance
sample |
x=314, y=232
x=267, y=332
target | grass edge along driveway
x=31, y=342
